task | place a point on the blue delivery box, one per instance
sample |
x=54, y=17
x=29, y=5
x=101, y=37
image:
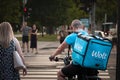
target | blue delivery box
x=92, y=51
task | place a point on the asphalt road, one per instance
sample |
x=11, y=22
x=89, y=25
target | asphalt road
x=112, y=64
x=46, y=48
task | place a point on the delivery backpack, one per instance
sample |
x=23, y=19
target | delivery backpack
x=92, y=51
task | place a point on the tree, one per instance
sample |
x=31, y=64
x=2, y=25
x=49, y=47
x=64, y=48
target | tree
x=54, y=12
x=106, y=7
x=59, y=12
x=10, y=11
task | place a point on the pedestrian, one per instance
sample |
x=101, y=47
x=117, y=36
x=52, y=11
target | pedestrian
x=73, y=68
x=8, y=44
x=62, y=34
x=25, y=36
x=33, y=38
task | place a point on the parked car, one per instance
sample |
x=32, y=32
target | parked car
x=103, y=34
x=113, y=32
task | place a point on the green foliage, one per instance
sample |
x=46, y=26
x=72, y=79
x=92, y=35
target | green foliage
x=47, y=38
x=106, y=7
x=10, y=11
x=54, y=12
x=51, y=13
x=48, y=12
x=75, y=13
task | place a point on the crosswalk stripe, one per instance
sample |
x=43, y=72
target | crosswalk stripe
x=41, y=73
x=104, y=77
x=51, y=74
x=42, y=70
x=40, y=76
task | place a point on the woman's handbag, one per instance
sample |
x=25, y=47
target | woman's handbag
x=18, y=63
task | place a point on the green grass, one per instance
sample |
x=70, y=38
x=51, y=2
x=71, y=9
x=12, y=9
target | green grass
x=47, y=38
x=44, y=38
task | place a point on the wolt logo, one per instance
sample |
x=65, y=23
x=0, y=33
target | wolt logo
x=79, y=47
x=99, y=54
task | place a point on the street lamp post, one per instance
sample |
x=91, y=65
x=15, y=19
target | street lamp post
x=118, y=44
x=92, y=3
x=93, y=16
x=24, y=3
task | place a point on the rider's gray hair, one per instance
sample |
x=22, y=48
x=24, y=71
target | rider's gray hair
x=76, y=23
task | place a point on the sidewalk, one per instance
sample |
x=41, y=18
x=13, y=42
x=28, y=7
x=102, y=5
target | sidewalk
x=41, y=60
x=45, y=49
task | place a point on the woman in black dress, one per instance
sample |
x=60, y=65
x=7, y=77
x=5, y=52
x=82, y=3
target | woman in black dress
x=33, y=44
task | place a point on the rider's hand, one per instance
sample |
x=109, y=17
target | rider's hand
x=51, y=58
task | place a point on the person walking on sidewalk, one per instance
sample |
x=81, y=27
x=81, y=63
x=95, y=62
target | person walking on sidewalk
x=73, y=68
x=62, y=34
x=8, y=43
x=25, y=36
x=33, y=38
